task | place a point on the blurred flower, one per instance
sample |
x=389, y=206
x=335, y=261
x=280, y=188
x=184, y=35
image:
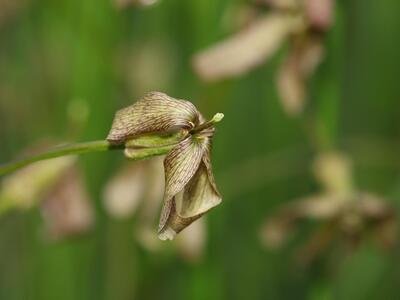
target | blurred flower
x=341, y=211
x=24, y=188
x=297, y=67
x=67, y=209
x=124, y=192
x=9, y=9
x=191, y=242
x=57, y=187
x=124, y=198
x=147, y=66
x=301, y=23
x=319, y=13
x=247, y=49
x=159, y=121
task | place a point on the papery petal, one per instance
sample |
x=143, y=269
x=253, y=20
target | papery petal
x=154, y=113
x=198, y=196
x=180, y=165
x=247, y=49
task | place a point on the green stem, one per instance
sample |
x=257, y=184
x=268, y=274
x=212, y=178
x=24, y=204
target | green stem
x=216, y=119
x=78, y=148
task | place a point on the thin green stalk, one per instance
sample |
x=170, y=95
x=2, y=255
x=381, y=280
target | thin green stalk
x=58, y=151
x=216, y=119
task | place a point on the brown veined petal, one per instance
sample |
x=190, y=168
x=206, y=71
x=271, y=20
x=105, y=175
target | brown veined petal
x=198, y=196
x=207, y=164
x=247, y=49
x=180, y=165
x=154, y=113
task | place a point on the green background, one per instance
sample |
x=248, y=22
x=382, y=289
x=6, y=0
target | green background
x=54, y=52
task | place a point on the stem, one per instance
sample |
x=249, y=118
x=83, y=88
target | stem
x=217, y=118
x=78, y=148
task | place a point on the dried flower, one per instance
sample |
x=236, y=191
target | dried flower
x=301, y=23
x=340, y=209
x=160, y=124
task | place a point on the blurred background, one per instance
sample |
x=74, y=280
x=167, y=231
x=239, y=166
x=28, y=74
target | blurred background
x=306, y=158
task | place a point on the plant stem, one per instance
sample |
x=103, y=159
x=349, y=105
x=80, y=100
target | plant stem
x=78, y=148
x=216, y=119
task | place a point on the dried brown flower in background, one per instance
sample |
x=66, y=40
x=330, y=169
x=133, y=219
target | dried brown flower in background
x=301, y=23
x=341, y=211
x=135, y=191
x=247, y=49
x=67, y=209
x=56, y=186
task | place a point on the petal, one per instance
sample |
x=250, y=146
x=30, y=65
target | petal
x=180, y=165
x=198, y=196
x=155, y=113
x=245, y=50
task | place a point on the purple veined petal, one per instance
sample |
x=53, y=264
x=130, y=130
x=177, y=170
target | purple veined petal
x=154, y=113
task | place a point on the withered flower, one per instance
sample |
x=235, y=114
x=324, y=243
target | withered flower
x=341, y=210
x=159, y=124
x=299, y=23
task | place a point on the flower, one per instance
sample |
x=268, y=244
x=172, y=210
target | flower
x=159, y=124
x=299, y=23
x=340, y=210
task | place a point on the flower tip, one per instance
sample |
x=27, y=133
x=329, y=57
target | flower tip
x=217, y=117
x=167, y=234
